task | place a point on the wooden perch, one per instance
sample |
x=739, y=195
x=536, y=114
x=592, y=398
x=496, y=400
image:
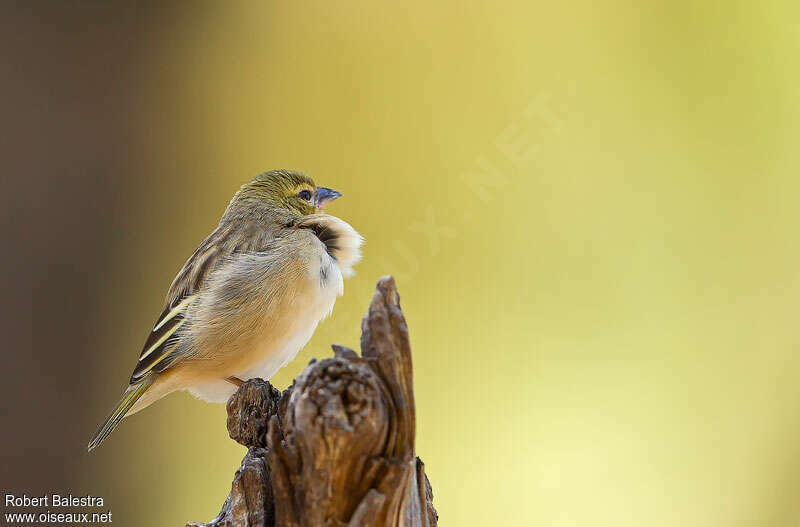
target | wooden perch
x=336, y=449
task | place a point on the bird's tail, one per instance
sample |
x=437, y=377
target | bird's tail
x=129, y=398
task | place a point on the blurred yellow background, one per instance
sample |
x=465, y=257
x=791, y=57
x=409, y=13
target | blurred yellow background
x=591, y=212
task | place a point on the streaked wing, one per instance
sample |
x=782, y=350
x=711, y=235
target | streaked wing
x=162, y=340
x=159, y=351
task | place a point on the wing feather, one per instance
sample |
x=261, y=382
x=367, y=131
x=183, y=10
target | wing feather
x=160, y=348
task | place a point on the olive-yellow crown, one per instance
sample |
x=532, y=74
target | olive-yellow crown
x=291, y=190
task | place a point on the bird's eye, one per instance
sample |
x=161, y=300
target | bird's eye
x=305, y=194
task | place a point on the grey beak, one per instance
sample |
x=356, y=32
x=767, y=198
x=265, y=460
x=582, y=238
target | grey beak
x=325, y=195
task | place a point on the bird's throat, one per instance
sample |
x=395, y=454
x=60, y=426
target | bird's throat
x=341, y=241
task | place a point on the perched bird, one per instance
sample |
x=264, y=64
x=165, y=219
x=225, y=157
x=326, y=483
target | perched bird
x=249, y=298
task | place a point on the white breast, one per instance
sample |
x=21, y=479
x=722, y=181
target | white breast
x=326, y=273
x=315, y=308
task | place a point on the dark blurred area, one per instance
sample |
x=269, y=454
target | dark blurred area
x=66, y=105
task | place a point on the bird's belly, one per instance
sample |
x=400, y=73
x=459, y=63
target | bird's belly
x=270, y=351
x=272, y=356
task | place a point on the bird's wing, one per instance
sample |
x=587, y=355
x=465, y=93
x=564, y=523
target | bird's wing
x=159, y=349
x=157, y=353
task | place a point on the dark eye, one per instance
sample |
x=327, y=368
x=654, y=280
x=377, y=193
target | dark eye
x=305, y=194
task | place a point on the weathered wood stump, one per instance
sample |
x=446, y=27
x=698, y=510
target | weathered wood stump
x=337, y=447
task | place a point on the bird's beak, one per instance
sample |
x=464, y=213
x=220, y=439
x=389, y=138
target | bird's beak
x=325, y=195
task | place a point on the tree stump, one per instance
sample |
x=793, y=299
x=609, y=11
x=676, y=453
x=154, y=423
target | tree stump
x=337, y=447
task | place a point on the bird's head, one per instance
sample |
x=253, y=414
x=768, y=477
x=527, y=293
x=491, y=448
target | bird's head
x=293, y=191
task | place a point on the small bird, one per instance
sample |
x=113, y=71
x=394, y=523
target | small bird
x=249, y=298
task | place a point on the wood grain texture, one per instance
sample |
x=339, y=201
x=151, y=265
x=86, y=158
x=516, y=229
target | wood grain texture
x=336, y=449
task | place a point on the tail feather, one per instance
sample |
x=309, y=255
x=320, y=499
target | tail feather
x=129, y=398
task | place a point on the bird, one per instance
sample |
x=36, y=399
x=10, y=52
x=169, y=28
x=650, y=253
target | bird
x=248, y=299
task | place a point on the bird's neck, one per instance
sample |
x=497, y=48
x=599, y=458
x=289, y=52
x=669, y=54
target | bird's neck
x=341, y=240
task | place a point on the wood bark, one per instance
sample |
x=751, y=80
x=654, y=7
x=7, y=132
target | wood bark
x=336, y=449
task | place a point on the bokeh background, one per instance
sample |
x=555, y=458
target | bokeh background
x=590, y=209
